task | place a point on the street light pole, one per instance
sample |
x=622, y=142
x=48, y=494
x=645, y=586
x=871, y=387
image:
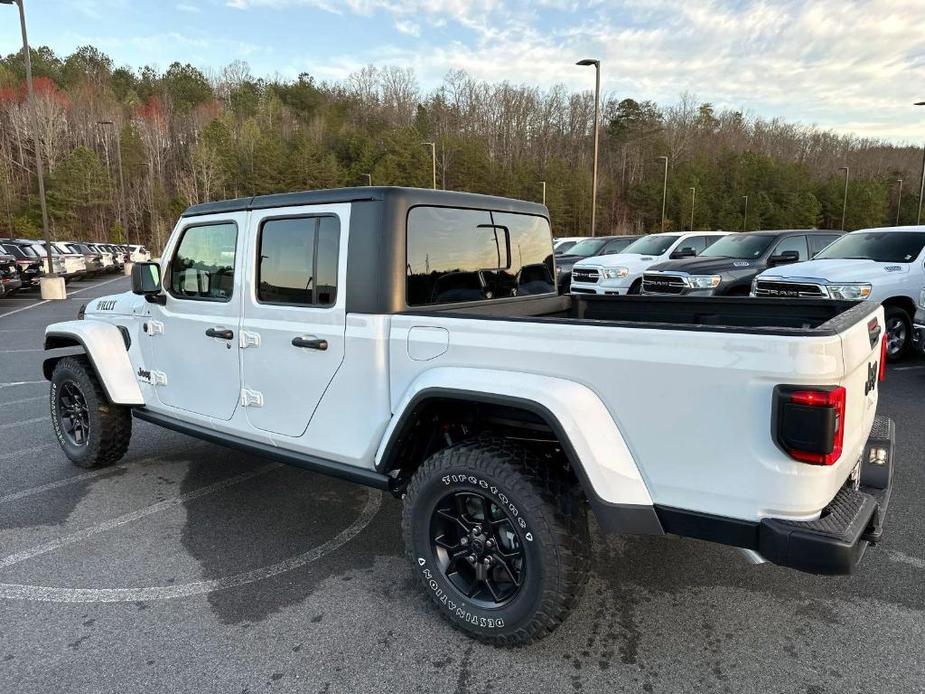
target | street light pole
x=664, y=192
x=543, y=183
x=844, y=205
x=39, y=164
x=122, y=206
x=693, y=200
x=745, y=218
x=918, y=218
x=433, y=160
x=899, y=200
x=369, y=179
x=597, y=134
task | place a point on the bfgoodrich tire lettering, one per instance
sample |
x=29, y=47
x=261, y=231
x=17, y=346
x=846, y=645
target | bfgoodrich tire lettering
x=107, y=428
x=541, y=508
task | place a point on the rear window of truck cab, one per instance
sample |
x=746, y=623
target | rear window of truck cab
x=456, y=255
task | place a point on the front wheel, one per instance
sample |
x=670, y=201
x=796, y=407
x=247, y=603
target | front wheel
x=498, y=542
x=898, y=333
x=91, y=431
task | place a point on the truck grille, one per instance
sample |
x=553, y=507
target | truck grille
x=662, y=284
x=789, y=289
x=585, y=274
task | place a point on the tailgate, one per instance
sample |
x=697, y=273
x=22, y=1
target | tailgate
x=861, y=352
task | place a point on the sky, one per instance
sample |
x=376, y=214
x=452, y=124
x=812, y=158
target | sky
x=855, y=66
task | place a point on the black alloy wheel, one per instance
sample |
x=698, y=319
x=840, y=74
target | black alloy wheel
x=74, y=414
x=478, y=548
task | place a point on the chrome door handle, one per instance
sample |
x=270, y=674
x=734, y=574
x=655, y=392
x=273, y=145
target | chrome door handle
x=310, y=343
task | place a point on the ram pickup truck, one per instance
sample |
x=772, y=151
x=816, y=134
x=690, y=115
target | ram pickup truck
x=586, y=248
x=621, y=274
x=320, y=329
x=884, y=266
x=727, y=267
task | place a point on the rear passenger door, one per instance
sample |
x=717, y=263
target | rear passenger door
x=294, y=321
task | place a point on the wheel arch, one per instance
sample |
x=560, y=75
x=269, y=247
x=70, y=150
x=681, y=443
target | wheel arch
x=610, y=479
x=906, y=303
x=106, y=347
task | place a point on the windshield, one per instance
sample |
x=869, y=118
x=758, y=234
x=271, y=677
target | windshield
x=651, y=245
x=742, y=246
x=586, y=248
x=881, y=246
x=40, y=250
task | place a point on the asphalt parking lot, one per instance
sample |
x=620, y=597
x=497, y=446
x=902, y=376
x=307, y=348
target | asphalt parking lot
x=191, y=568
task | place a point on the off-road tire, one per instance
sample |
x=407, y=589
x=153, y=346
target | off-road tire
x=892, y=313
x=110, y=426
x=548, y=513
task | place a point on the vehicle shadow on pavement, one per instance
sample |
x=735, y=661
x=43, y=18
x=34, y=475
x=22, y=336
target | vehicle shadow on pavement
x=274, y=518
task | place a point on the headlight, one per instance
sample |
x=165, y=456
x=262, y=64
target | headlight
x=614, y=273
x=922, y=299
x=849, y=292
x=704, y=281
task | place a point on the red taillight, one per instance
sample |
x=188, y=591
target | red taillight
x=882, y=374
x=810, y=423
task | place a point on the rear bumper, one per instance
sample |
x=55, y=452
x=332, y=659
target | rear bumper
x=832, y=544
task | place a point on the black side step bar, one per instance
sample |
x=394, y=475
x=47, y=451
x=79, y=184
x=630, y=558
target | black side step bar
x=351, y=473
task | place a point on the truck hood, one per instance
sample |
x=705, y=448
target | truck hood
x=708, y=266
x=125, y=304
x=838, y=270
x=633, y=261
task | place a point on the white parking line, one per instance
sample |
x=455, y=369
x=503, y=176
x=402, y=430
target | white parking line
x=905, y=559
x=17, y=591
x=20, y=383
x=24, y=422
x=27, y=451
x=907, y=368
x=23, y=400
x=76, y=291
x=86, y=533
x=19, y=351
x=73, y=479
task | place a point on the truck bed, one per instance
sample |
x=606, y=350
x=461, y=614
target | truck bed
x=714, y=314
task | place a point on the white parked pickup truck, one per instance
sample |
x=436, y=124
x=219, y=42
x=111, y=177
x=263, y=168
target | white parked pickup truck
x=875, y=265
x=413, y=340
x=621, y=273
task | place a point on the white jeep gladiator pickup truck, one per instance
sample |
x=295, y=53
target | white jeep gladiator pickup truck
x=875, y=265
x=413, y=340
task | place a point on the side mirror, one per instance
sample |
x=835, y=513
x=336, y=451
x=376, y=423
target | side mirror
x=146, y=278
x=686, y=252
x=784, y=258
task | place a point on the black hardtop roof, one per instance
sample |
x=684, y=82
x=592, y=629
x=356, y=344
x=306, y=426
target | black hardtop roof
x=408, y=196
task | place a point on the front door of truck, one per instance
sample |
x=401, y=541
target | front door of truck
x=194, y=334
x=294, y=320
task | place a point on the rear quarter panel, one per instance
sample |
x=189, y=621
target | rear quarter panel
x=694, y=408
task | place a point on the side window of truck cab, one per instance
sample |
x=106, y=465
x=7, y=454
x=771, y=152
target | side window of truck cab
x=202, y=267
